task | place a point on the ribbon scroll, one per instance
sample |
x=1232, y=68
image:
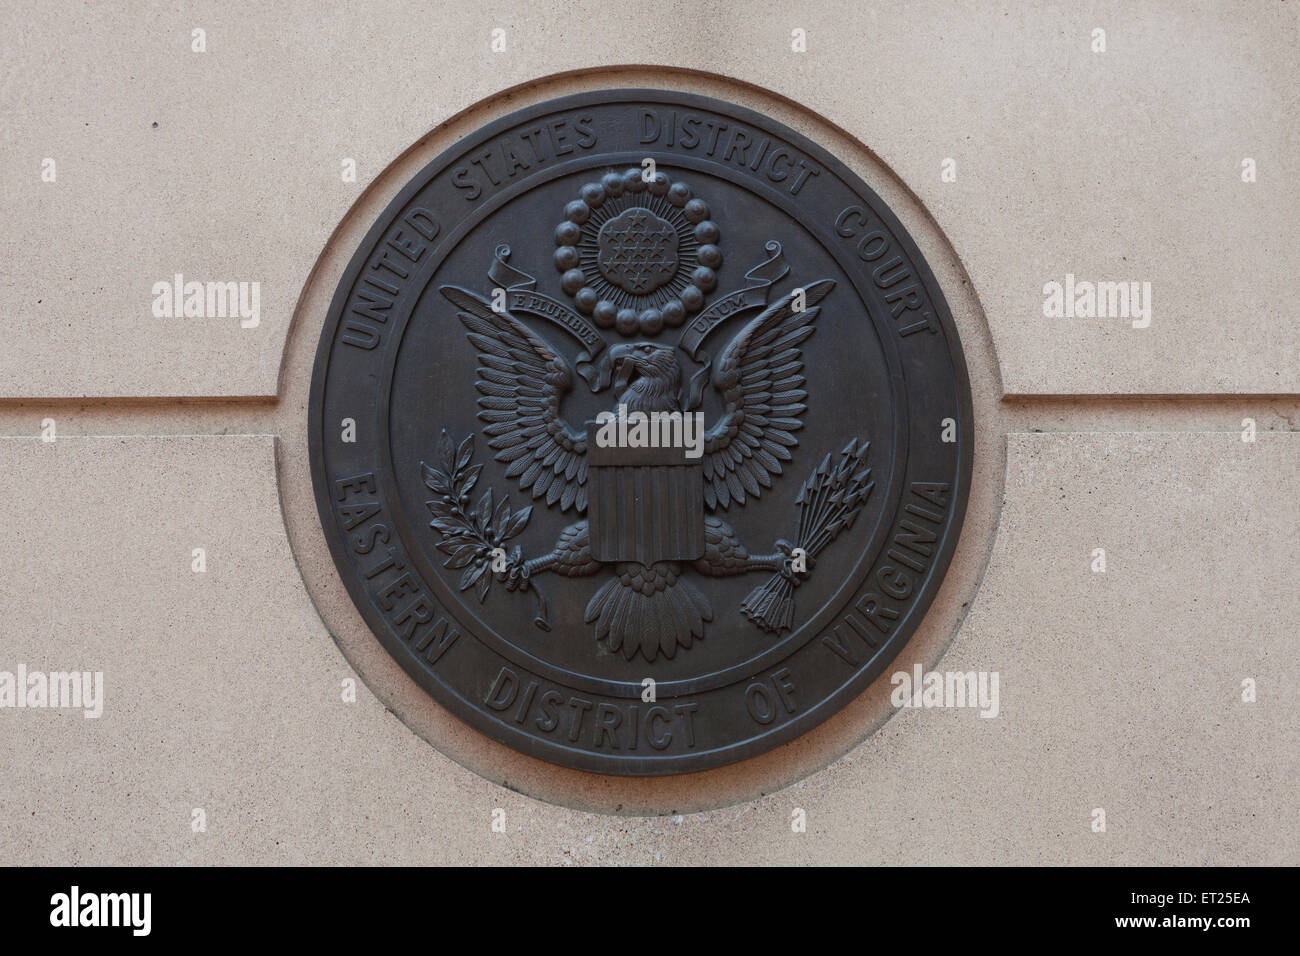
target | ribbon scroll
x=522, y=296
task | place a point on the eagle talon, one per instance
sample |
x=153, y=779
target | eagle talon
x=790, y=574
x=518, y=572
x=518, y=576
x=785, y=550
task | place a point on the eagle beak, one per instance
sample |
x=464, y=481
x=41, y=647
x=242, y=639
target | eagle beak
x=623, y=366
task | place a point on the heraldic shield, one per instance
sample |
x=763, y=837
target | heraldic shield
x=644, y=504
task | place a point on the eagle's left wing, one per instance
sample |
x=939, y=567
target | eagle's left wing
x=760, y=377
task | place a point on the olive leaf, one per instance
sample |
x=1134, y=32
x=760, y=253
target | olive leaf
x=436, y=481
x=445, y=452
x=465, y=452
x=516, y=524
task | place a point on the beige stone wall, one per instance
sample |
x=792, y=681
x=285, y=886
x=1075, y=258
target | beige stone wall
x=1120, y=691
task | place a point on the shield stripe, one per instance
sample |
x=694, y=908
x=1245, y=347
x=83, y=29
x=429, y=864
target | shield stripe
x=646, y=513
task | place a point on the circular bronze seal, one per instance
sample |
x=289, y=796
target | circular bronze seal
x=640, y=432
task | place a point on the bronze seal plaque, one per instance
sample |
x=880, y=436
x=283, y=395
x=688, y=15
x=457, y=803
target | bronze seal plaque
x=640, y=432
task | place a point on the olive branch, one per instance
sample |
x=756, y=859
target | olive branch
x=469, y=537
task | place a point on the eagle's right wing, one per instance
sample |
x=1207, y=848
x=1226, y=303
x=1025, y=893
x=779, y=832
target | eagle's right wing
x=521, y=381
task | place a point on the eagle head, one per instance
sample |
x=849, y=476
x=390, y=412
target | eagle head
x=646, y=376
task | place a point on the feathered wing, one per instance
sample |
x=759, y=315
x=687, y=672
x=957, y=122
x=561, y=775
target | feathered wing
x=521, y=382
x=760, y=377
